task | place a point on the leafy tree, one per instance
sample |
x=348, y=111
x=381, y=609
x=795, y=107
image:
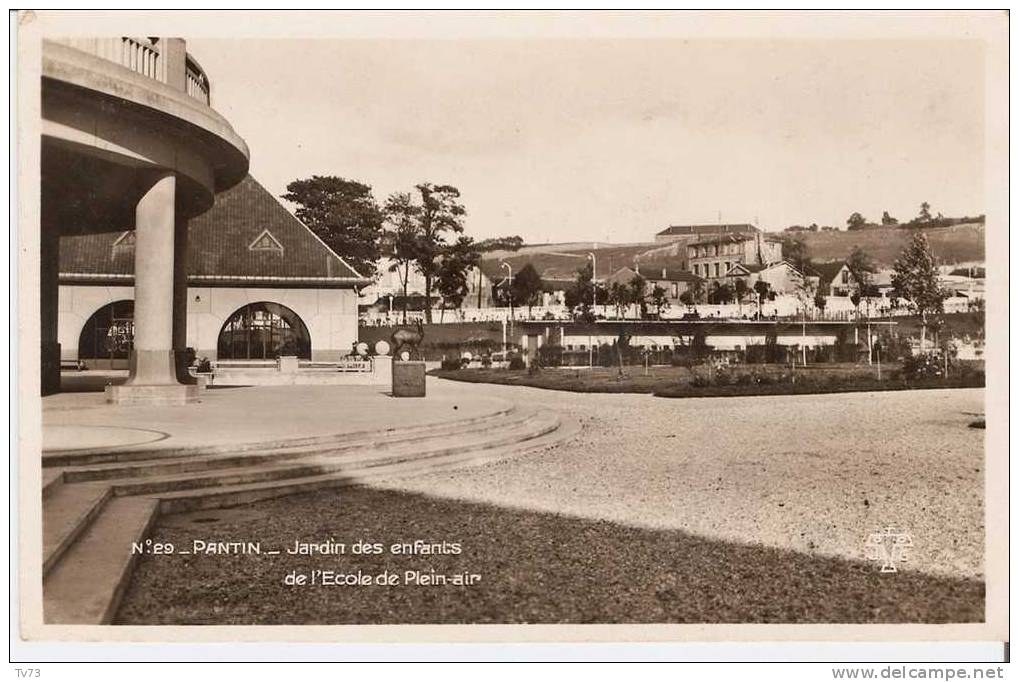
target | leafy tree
x=660, y=300
x=441, y=213
x=862, y=267
x=925, y=213
x=344, y=214
x=618, y=296
x=888, y=220
x=580, y=297
x=763, y=290
x=916, y=280
x=740, y=290
x=820, y=301
x=721, y=293
x=797, y=253
x=696, y=290
x=687, y=298
x=526, y=287
x=458, y=260
x=856, y=222
x=638, y=294
x=400, y=241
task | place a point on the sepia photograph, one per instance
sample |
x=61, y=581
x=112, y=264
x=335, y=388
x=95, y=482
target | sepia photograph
x=560, y=319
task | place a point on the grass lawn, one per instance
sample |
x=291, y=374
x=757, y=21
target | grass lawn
x=677, y=382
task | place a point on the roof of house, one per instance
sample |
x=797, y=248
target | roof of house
x=668, y=274
x=709, y=228
x=247, y=237
x=826, y=272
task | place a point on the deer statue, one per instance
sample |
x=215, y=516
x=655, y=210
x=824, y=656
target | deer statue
x=407, y=337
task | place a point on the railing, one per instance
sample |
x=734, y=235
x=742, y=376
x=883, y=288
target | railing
x=197, y=83
x=148, y=57
x=365, y=365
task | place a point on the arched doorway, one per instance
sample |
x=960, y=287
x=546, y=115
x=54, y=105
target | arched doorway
x=263, y=331
x=108, y=336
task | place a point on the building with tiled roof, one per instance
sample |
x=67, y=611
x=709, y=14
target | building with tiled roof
x=259, y=284
x=688, y=233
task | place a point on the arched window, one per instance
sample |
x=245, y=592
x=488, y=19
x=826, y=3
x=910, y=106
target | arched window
x=108, y=336
x=263, y=331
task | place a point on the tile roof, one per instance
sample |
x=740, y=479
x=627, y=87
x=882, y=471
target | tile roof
x=246, y=237
x=709, y=228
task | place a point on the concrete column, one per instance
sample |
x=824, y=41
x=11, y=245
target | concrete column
x=49, y=287
x=153, y=377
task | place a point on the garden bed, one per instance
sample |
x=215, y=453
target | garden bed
x=697, y=382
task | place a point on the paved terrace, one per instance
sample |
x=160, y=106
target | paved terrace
x=230, y=416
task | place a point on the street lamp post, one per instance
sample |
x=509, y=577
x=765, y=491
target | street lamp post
x=594, y=281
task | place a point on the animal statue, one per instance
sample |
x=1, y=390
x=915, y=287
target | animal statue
x=407, y=337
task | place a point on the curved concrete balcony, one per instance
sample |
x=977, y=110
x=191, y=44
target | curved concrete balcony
x=112, y=107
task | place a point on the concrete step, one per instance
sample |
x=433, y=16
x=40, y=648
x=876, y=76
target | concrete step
x=325, y=463
x=88, y=583
x=379, y=443
x=51, y=480
x=234, y=495
x=66, y=513
x=72, y=458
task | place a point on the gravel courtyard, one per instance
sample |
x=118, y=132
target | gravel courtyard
x=809, y=473
x=660, y=510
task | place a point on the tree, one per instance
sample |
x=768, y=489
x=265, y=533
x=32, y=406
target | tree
x=888, y=220
x=460, y=257
x=862, y=267
x=797, y=253
x=580, y=298
x=856, y=222
x=696, y=289
x=720, y=293
x=916, y=280
x=660, y=300
x=820, y=301
x=441, y=213
x=638, y=294
x=741, y=290
x=763, y=289
x=618, y=296
x=687, y=298
x=400, y=241
x=925, y=213
x=344, y=214
x=526, y=287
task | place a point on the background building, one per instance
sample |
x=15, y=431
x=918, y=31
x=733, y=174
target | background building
x=259, y=284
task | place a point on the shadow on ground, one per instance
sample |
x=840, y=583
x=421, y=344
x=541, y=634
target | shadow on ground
x=535, y=568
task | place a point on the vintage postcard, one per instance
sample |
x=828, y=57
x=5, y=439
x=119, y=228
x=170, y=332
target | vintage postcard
x=512, y=327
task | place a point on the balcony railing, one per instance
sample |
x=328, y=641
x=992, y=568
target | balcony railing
x=150, y=58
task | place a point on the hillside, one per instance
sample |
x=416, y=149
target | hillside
x=954, y=244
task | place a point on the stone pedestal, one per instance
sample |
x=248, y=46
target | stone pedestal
x=288, y=364
x=408, y=379
x=176, y=394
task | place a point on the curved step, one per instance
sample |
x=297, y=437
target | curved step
x=233, y=495
x=69, y=458
x=327, y=463
x=181, y=465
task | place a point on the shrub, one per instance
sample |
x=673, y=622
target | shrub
x=700, y=381
x=550, y=356
x=923, y=366
x=745, y=379
x=454, y=363
x=516, y=362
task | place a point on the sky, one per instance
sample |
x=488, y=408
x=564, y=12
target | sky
x=613, y=140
